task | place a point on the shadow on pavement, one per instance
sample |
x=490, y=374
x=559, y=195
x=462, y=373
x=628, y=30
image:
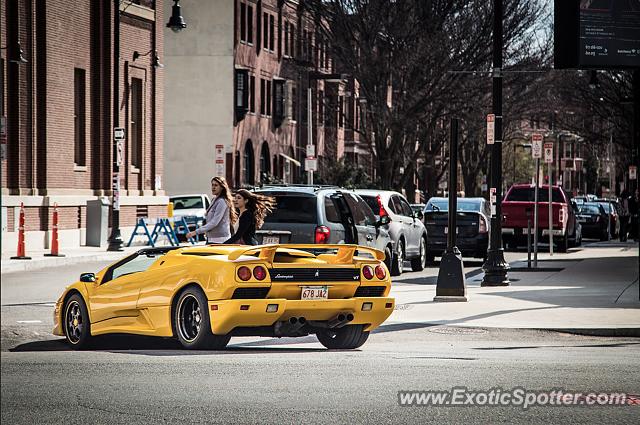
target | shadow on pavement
x=155, y=346
x=620, y=344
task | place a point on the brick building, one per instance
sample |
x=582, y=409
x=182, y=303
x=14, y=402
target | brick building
x=59, y=111
x=259, y=58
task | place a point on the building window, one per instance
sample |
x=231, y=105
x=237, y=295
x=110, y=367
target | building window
x=278, y=102
x=265, y=31
x=252, y=93
x=340, y=111
x=286, y=38
x=250, y=24
x=321, y=107
x=241, y=97
x=268, y=101
x=272, y=25
x=135, y=137
x=294, y=103
x=243, y=22
x=263, y=97
x=292, y=40
x=79, y=116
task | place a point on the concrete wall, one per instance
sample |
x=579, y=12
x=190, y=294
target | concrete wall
x=198, y=107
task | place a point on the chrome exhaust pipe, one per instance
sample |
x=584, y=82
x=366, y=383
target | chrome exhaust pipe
x=332, y=323
x=348, y=318
x=293, y=320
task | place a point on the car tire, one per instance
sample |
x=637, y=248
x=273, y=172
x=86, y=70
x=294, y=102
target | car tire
x=431, y=258
x=191, y=322
x=346, y=338
x=397, y=265
x=563, y=244
x=76, y=323
x=388, y=257
x=605, y=235
x=420, y=262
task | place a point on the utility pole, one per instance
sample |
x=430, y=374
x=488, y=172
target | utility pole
x=115, y=239
x=495, y=268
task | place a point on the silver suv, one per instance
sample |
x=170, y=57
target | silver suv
x=322, y=215
x=406, y=228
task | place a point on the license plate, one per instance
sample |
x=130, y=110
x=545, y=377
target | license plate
x=270, y=239
x=314, y=293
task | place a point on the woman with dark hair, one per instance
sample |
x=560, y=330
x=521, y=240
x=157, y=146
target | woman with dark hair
x=219, y=216
x=253, y=209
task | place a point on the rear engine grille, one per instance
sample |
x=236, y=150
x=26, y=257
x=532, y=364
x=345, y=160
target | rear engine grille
x=369, y=291
x=314, y=275
x=250, y=293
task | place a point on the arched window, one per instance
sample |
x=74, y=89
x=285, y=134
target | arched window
x=249, y=164
x=265, y=162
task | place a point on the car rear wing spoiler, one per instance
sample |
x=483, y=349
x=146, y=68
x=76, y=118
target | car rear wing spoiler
x=344, y=254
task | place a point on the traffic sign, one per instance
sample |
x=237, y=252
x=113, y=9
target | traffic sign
x=311, y=151
x=118, y=133
x=120, y=152
x=536, y=145
x=311, y=164
x=491, y=129
x=548, y=152
x=633, y=172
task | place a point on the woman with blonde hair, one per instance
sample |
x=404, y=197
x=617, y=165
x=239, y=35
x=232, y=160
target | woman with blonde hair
x=253, y=209
x=219, y=216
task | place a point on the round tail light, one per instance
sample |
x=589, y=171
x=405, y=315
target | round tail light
x=244, y=273
x=367, y=272
x=259, y=273
x=381, y=273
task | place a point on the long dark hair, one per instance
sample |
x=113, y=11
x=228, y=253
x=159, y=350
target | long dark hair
x=226, y=197
x=258, y=205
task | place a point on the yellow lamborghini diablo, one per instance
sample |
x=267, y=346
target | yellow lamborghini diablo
x=204, y=295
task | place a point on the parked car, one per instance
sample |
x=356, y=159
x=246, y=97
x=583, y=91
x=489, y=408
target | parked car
x=417, y=207
x=472, y=226
x=584, y=198
x=518, y=209
x=405, y=228
x=323, y=215
x=594, y=220
x=193, y=207
x=613, y=215
x=201, y=296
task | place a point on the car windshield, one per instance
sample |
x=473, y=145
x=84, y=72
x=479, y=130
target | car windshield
x=443, y=205
x=527, y=194
x=293, y=209
x=588, y=209
x=187, y=202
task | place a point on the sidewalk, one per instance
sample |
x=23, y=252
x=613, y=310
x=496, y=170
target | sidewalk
x=590, y=291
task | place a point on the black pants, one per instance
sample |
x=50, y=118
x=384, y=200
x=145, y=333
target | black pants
x=624, y=219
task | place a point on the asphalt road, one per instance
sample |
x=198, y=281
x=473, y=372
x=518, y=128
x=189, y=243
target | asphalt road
x=147, y=380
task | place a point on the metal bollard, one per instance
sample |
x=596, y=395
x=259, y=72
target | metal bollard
x=528, y=244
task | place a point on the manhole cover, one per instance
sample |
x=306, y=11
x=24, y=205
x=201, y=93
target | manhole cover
x=458, y=331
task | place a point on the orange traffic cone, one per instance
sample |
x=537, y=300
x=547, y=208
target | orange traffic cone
x=21, y=254
x=54, y=235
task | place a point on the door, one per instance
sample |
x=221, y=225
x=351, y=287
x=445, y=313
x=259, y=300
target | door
x=366, y=233
x=414, y=230
x=406, y=224
x=346, y=217
x=117, y=294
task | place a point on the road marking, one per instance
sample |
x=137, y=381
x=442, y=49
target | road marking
x=29, y=321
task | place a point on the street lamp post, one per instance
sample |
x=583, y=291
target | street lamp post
x=495, y=268
x=176, y=23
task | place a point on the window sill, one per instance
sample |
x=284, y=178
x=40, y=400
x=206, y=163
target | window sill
x=135, y=170
x=80, y=168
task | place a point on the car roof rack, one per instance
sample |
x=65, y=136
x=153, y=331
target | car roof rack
x=299, y=185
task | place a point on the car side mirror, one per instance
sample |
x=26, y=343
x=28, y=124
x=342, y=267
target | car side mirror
x=418, y=214
x=383, y=220
x=88, y=277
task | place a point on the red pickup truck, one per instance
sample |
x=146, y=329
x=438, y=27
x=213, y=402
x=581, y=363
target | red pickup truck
x=518, y=206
